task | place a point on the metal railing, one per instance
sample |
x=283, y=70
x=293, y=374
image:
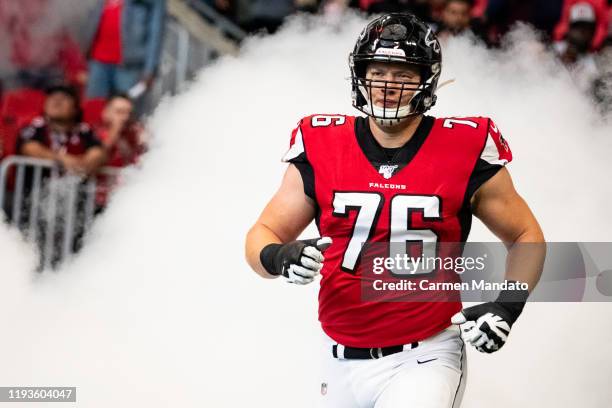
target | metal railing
x=43, y=202
x=224, y=24
x=195, y=35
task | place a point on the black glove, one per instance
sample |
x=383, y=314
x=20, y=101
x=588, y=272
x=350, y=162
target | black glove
x=487, y=326
x=298, y=261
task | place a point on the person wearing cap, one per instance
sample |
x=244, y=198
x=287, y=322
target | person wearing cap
x=575, y=50
x=59, y=135
x=584, y=12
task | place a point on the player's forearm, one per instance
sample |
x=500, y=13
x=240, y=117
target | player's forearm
x=258, y=237
x=526, y=255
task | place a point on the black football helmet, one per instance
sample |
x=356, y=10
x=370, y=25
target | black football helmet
x=396, y=37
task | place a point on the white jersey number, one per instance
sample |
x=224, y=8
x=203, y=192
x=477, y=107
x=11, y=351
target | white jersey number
x=450, y=123
x=369, y=206
x=326, y=120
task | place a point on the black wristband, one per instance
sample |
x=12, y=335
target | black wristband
x=513, y=301
x=267, y=256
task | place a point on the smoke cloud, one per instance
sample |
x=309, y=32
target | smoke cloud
x=160, y=309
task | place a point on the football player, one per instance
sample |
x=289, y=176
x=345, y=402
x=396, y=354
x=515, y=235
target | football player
x=394, y=175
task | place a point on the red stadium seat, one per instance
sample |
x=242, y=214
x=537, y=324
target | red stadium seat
x=2, y=141
x=8, y=139
x=21, y=105
x=92, y=110
x=18, y=108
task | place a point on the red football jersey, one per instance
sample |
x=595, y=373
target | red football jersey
x=424, y=199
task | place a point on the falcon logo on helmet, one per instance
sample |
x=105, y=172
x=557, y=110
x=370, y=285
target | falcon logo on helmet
x=396, y=38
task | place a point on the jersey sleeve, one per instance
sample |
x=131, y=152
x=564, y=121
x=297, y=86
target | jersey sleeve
x=31, y=133
x=296, y=155
x=90, y=139
x=495, y=155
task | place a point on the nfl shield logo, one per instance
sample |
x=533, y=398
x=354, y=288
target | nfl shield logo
x=323, y=388
x=387, y=170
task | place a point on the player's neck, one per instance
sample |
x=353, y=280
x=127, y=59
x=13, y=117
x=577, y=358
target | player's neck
x=396, y=136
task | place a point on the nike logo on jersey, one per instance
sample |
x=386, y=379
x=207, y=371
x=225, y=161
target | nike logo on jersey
x=426, y=361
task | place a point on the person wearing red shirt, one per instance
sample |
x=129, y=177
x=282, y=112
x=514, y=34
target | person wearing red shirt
x=124, y=43
x=395, y=176
x=120, y=134
x=122, y=137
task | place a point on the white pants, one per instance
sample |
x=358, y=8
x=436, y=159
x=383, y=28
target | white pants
x=431, y=375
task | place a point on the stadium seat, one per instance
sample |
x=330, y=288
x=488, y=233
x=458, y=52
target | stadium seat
x=21, y=105
x=92, y=110
x=8, y=137
x=18, y=108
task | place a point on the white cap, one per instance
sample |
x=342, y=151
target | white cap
x=582, y=12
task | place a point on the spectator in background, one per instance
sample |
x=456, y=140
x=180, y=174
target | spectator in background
x=589, y=11
x=60, y=135
x=122, y=138
x=39, y=50
x=120, y=134
x=456, y=18
x=578, y=39
x=576, y=48
x=125, y=43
